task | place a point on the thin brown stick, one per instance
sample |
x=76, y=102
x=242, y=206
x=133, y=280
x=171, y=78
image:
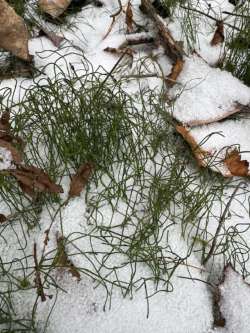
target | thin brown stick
x=38, y=280
x=210, y=17
x=172, y=49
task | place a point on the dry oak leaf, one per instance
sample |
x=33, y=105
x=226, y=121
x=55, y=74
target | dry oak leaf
x=129, y=17
x=80, y=179
x=13, y=32
x=236, y=166
x=199, y=153
x=54, y=8
x=33, y=180
x=218, y=37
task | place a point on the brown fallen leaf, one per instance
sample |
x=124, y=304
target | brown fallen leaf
x=7, y=139
x=129, y=17
x=200, y=154
x=62, y=260
x=54, y=8
x=3, y=218
x=33, y=180
x=13, y=32
x=218, y=37
x=175, y=72
x=80, y=179
x=236, y=166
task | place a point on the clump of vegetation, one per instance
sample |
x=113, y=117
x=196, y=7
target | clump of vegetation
x=140, y=163
x=237, y=58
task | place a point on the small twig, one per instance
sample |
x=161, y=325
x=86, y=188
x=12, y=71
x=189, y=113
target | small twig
x=38, y=280
x=209, y=16
x=145, y=76
x=118, y=11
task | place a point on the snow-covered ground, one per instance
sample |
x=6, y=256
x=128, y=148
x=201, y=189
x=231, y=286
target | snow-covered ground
x=185, y=305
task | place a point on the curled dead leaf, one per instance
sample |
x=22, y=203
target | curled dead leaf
x=175, y=72
x=33, y=180
x=218, y=37
x=80, y=179
x=13, y=32
x=54, y=8
x=129, y=18
x=236, y=166
x=199, y=153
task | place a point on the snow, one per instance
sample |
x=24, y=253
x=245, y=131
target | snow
x=235, y=302
x=206, y=92
x=5, y=159
x=202, y=93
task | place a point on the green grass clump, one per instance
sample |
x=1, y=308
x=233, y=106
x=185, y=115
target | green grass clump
x=237, y=55
x=144, y=185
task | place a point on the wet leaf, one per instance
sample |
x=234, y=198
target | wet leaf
x=129, y=18
x=199, y=153
x=218, y=37
x=80, y=179
x=236, y=166
x=13, y=32
x=33, y=180
x=54, y=8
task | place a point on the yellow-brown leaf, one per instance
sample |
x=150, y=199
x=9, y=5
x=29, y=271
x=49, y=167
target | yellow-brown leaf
x=236, y=166
x=80, y=179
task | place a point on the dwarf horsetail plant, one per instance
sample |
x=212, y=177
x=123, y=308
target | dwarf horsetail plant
x=144, y=188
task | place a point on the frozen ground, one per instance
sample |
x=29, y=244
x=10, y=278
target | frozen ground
x=202, y=92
